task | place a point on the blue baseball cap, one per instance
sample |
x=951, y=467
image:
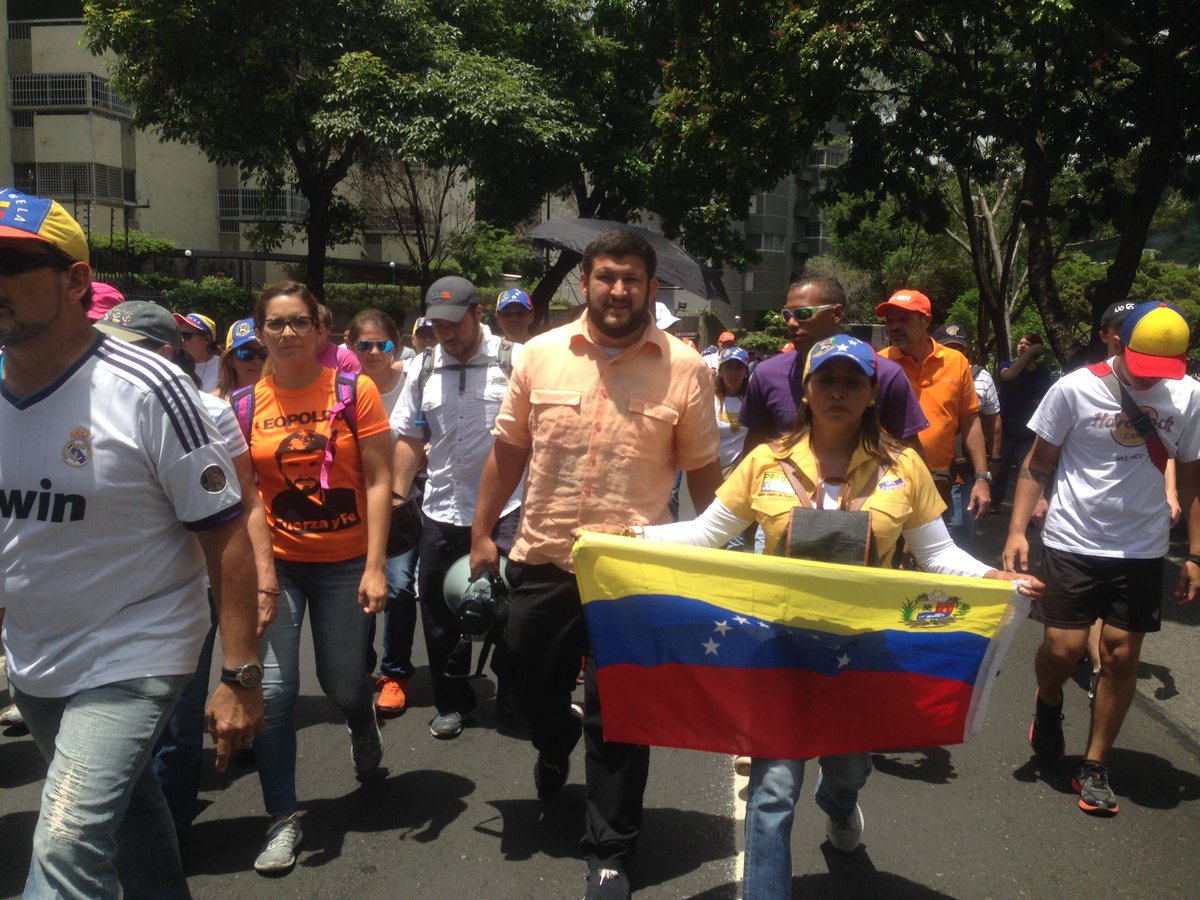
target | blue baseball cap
x=733, y=354
x=240, y=333
x=511, y=296
x=841, y=346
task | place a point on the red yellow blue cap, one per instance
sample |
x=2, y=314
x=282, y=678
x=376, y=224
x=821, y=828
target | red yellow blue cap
x=1156, y=336
x=36, y=219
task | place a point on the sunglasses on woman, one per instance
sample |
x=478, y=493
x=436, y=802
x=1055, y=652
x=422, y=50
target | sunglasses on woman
x=368, y=346
x=804, y=313
x=245, y=354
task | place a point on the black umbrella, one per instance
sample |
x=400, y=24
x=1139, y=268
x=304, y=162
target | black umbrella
x=674, y=266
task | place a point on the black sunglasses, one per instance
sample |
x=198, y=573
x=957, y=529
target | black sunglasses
x=245, y=354
x=19, y=263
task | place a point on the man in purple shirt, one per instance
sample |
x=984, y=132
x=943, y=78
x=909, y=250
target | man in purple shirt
x=814, y=309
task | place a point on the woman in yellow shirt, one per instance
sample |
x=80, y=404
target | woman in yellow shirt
x=837, y=455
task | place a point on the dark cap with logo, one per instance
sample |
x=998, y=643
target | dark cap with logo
x=449, y=298
x=141, y=320
x=1116, y=313
x=951, y=335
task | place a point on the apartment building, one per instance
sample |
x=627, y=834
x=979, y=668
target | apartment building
x=785, y=228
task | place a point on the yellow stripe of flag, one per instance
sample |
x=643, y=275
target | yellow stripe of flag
x=832, y=598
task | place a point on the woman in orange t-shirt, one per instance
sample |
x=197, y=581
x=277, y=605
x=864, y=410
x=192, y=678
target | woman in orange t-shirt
x=324, y=473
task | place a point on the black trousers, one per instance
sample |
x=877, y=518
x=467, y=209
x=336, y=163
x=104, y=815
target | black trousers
x=449, y=656
x=546, y=638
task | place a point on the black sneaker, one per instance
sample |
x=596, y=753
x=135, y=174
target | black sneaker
x=1095, y=795
x=1045, y=732
x=607, y=882
x=550, y=778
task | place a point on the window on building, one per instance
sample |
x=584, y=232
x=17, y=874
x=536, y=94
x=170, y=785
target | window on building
x=747, y=281
x=767, y=243
x=22, y=120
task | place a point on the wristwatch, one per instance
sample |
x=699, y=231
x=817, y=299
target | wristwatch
x=983, y=476
x=250, y=675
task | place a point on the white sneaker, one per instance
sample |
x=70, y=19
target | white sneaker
x=845, y=834
x=11, y=716
x=279, y=852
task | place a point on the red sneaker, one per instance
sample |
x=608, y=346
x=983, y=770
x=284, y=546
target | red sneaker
x=392, y=699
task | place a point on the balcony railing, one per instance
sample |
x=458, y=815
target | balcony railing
x=79, y=180
x=65, y=91
x=249, y=204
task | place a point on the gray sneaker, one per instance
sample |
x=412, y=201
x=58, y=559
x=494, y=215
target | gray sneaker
x=846, y=834
x=11, y=716
x=366, y=749
x=278, y=854
x=446, y=726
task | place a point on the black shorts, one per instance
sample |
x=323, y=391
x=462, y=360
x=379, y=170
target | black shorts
x=1125, y=593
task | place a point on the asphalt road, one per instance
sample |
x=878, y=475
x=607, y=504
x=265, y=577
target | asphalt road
x=460, y=818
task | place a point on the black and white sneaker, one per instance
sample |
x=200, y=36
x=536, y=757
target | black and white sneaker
x=607, y=882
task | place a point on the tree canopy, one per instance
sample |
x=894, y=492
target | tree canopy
x=1104, y=94
x=296, y=92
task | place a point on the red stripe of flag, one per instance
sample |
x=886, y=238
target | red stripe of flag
x=779, y=714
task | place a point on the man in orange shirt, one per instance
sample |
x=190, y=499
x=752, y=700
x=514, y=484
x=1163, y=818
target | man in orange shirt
x=603, y=410
x=945, y=388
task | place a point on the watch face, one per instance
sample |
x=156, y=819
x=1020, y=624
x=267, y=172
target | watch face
x=250, y=675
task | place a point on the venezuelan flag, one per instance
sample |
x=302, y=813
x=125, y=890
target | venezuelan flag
x=771, y=657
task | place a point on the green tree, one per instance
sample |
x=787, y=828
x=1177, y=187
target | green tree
x=297, y=92
x=1105, y=92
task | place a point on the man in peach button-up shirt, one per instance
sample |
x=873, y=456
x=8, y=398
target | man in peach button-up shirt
x=603, y=411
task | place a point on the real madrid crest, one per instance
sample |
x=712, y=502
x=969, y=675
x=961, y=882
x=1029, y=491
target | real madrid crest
x=77, y=451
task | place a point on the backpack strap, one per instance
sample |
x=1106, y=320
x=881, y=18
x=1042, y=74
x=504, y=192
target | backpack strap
x=504, y=357
x=869, y=488
x=1141, y=422
x=422, y=378
x=346, y=391
x=345, y=404
x=242, y=401
x=793, y=477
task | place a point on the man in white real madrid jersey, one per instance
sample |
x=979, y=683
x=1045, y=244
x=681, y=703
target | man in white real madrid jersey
x=115, y=491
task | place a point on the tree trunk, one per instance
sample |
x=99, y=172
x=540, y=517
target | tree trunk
x=1154, y=172
x=546, y=288
x=1035, y=188
x=318, y=238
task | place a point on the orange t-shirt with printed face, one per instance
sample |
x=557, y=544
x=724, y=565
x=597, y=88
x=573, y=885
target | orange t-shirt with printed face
x=293, y=434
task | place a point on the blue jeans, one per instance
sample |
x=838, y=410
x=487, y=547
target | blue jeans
x=399, y=619
x=181, y=745
x=104, y=825
x=773, y=793
x=339, y=626
x=960, y=522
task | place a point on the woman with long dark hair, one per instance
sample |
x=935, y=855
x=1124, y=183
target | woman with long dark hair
x=322, y=454
x=839, y=456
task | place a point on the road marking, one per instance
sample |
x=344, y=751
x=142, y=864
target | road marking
x=741, y=790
